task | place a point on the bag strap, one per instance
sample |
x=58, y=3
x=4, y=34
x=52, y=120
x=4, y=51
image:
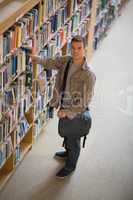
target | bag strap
x=65, y=80
x=65, y=75
x=64, y=142
x=84, y=140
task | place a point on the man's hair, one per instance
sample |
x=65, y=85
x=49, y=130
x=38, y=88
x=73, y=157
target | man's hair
x=78, y=38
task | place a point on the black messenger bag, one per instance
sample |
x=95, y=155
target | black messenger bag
x=79, y=126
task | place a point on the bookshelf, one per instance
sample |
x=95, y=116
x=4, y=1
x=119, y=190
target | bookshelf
x=16, y=99
x=15, y=9
x=106, y=12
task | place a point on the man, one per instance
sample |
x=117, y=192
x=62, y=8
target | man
x=73, y=92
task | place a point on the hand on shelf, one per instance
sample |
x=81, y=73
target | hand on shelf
x=35, y=59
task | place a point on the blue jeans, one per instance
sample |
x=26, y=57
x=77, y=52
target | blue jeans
x=72, y=146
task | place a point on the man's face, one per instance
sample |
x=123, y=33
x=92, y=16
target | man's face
x=77, y=50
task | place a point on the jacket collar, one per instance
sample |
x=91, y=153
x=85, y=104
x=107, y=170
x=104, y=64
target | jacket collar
x=85, y=65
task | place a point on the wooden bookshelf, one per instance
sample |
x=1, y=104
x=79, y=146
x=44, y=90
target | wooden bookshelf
x=12, y=10
x=9, y=169
x=6, y=171
x=16, y=10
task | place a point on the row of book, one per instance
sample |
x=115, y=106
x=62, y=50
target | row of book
x=18, y=34
x=8, y=123
x=78, y=24
x=14, y=114
x=39, y=123
x=42, y=97
x=84, y=27
x=52, y=25
x=16, y=82
x=14, y=94
x=107, y=11
x=67, y=28
x=6, y=149
x=22, y=128
x=47, y=113
x=20, y=134
x=74, y=5
x=52, y=6
x=49, y=51
x=14, y=66
x=81, y=15
x=58, y=23
x=43, y=87
x=53, y=13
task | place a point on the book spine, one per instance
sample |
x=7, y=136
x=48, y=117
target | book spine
x=1, y=49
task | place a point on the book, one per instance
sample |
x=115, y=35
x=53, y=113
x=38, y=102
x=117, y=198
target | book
x=22, y=129
x=106, y=13
x=19, y=26
x=6, y=148
x=1, y=108
x=17, y=153
x=2, y=154
x=9, y=146
x=4, y=77
x=18, y=34
x=41, y=12
x=1, y=133
x=1, y=80
x=1, y=50
x=29, y=76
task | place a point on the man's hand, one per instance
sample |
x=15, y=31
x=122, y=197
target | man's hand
x=61, y=114
x=35, y=59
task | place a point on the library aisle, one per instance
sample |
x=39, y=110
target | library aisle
x=104, y=170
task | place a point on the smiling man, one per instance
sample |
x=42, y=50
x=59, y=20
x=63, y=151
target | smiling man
x=72, y=94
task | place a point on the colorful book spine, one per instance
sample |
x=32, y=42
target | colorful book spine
x=6, y=149
x=17, y=153
x=13, y=109
x=1, y=50
x=106, y=13
x=41, y=12
x=2, y=154
x=22, y=129
x=54, y=23
x=13, y=67
x=18, y=35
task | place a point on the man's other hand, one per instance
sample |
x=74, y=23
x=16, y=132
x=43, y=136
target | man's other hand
x=35, y=59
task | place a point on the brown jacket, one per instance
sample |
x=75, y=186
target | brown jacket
x=81, y=84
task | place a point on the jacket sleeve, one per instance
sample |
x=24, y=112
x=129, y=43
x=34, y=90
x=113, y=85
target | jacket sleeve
x=89, y=88
x=53, y=63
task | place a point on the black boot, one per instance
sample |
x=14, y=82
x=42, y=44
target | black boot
x=61, y=154
x=64, y=172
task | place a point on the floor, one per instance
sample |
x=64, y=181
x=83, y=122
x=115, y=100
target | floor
x=105, y=167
